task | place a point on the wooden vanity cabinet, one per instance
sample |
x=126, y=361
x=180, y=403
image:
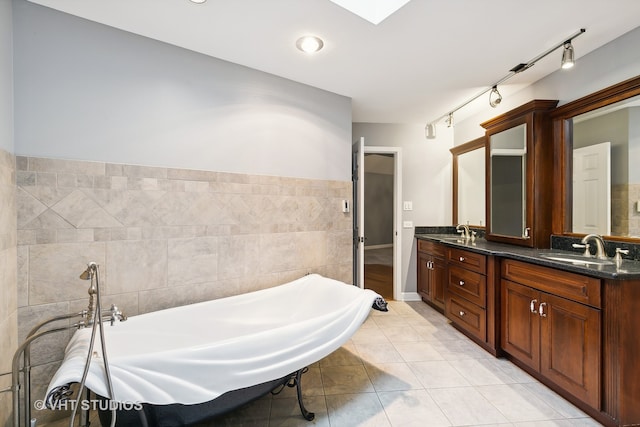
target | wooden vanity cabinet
x=470, y=296
x=551, y=323
x=432, y=270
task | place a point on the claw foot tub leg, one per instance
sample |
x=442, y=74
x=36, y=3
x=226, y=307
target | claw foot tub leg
x=297, y=382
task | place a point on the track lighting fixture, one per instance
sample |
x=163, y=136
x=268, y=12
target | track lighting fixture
x=494, y=97
x=430, y=131
x=449, y=120
x=567, y=55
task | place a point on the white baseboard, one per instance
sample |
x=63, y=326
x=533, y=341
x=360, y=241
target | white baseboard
x=388, y=245
x=410, y=296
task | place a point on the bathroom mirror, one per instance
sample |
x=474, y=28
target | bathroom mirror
x=507, y=189
x=598, y=140
x=469, y=183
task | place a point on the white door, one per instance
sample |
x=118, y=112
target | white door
x=592, y=189
x=357, y=163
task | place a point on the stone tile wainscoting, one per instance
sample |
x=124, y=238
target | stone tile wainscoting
x=625, y=218
x=164, y=237
x=8, y=271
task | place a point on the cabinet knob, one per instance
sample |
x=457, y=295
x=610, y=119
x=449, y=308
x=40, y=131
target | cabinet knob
x=461, y=283
x=462, y=313
x=532, y=306
x=542, y=306
x=461, y=259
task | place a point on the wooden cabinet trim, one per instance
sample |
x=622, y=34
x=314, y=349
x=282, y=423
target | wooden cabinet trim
x=568, y=324
x=582, y=289
x=433, y=248
x=468, y=284
x=520, y=329
x=470, y=260
x=468, y=316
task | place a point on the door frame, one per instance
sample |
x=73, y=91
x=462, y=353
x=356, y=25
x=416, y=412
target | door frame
x=397, y=214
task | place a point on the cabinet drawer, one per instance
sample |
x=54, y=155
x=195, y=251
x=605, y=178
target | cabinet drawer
x=435, y=249
x=582, y=289
x=468, y=316
x=468, y=284
x=469, y=260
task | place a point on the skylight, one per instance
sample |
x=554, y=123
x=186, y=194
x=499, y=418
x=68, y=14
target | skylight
x=374, y=11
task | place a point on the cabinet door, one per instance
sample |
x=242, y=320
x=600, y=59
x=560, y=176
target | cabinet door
x=438, y=281
x=570, y=344
x=424, y=272
x=521, y=325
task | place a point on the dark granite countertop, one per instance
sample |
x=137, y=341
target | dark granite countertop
x=628, y=269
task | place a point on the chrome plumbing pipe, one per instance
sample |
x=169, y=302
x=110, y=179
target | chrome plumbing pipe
x=15, y=369
x=27, y=356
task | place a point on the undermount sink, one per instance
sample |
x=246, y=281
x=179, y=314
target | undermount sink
x=452, y=238
x=576, y=259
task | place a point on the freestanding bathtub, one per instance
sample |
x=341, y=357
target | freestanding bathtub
x=233, y=349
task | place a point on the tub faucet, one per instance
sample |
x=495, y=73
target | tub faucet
x=463, y=229
x=600, y=252
x=116, y=315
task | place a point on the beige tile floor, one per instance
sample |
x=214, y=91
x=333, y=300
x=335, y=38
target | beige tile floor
x=409, y=367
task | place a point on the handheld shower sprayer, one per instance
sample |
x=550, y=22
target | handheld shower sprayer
x=88, y=274
x=94, y=318
x=91, y=273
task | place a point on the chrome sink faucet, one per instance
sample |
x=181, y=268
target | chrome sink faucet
x=463, y=229
x=466, y=232
x=600, y=252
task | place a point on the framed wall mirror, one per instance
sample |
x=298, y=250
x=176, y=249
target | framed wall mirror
x=469, y=183
x=597, y=146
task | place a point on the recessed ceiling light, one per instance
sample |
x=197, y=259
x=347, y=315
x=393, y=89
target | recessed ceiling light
x=198, y=1
x=309, y=44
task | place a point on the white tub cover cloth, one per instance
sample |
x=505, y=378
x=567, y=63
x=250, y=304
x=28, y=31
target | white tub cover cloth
x=195, y=353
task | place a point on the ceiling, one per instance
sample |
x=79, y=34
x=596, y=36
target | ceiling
x=425, y=59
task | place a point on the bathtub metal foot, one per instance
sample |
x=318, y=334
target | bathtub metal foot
x=297, y=383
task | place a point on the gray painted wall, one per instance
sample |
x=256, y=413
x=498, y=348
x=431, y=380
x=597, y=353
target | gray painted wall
x=91, y=92
x=634, y=145
x=613, y=128
x=6, y=76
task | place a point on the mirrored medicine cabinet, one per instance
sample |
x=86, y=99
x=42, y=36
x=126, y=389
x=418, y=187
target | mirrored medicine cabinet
x=519, y=170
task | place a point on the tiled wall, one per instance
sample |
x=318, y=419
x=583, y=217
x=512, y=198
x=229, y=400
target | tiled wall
x=8, y=300
x=166, y=237
x=625, y=218
x=633, y=205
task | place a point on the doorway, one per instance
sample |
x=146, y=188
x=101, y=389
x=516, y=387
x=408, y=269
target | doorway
x=377, y=214
x=378, y=222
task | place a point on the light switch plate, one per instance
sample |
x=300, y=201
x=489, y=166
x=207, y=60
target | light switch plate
x=407, y=224
x=407, y=206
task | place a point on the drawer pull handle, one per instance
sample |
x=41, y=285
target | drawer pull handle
x=461, y=259
x=532, y=306
x=462, y=313
x=461, y=282
x=542, y=306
